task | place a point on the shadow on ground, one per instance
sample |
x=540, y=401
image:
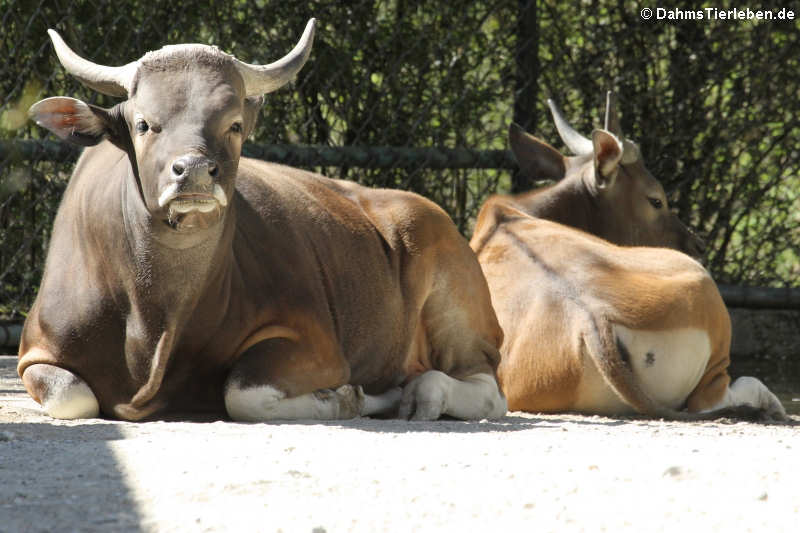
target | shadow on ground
x=57, y=475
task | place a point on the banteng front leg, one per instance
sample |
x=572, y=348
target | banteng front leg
x=434, y=394
x=61, y=393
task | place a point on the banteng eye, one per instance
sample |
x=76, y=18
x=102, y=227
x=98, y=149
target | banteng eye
x=236, y=127
x=657, y=203
x=142, y=126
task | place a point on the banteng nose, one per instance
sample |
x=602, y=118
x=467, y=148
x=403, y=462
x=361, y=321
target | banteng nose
x=198, y=170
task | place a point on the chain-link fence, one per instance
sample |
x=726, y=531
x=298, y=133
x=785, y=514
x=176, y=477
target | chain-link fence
x=419, y=95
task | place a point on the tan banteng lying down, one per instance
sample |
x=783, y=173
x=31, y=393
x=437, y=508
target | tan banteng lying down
x=183, y=277
x=595, y=327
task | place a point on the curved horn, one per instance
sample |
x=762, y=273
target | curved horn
x=113, y=81
x=262, y=79
x=576, y=142
x=612, y=120
x=630, y=150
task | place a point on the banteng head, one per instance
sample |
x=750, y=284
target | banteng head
x=608, y=177
x=188, y=110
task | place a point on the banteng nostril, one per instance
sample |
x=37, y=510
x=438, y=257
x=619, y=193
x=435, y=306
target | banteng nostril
x=213, y=170
x=178, y=168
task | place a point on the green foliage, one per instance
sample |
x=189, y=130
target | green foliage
x=713, y=104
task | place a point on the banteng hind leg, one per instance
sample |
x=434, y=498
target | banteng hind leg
x=752, y=392
x=460, y=335
x=279, y=379
x=61, y=393
x=716, y=392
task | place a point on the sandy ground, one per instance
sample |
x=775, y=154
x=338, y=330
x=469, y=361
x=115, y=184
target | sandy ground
x=521, y=473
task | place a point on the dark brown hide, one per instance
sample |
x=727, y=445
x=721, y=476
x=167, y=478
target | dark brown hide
x=352, y=271
x=171, y=257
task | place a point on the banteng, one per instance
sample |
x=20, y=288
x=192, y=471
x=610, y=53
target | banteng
x=596, y=326
x=183, y=277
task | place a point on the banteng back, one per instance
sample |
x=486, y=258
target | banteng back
x=592, y=326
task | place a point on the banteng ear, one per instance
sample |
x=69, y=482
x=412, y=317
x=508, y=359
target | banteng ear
x=72, y=120
x=607, y=155
x=536, y=158
x=252, y=107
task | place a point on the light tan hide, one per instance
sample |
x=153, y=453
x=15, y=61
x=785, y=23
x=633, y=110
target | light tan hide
x=561, y=296
x=596, y=327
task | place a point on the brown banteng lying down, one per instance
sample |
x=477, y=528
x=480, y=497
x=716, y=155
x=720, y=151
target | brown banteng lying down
x=605, y=189
x=181, y=277
x=595, y=327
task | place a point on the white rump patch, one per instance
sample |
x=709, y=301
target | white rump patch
x=667, y=364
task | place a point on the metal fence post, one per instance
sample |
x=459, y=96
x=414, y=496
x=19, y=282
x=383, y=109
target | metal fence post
x=526, y=86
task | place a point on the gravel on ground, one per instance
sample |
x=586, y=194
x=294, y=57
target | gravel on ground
x=523, y=472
